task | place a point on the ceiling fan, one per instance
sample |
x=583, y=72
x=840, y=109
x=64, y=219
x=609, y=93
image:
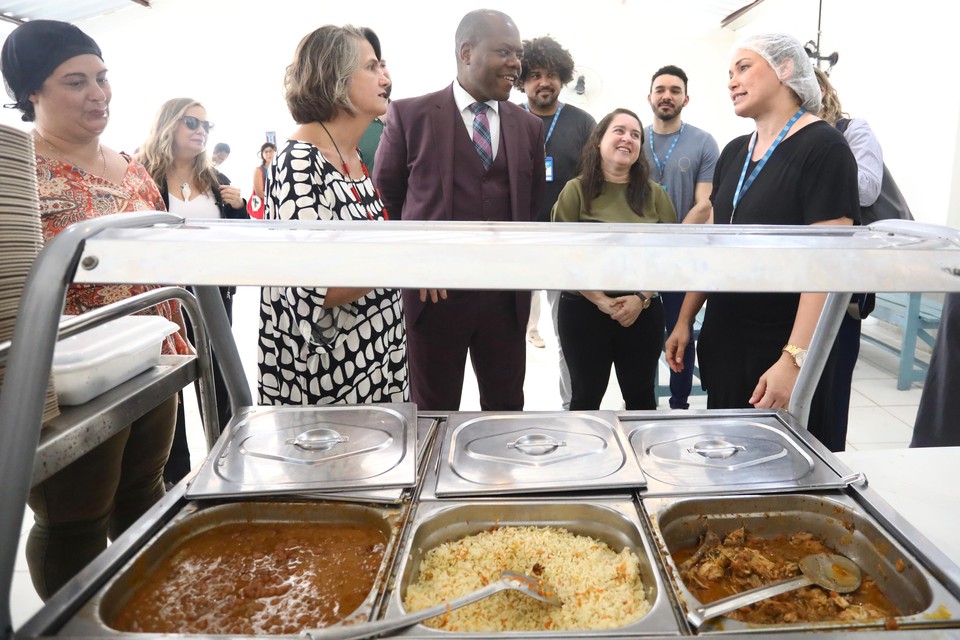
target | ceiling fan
x=585, y=87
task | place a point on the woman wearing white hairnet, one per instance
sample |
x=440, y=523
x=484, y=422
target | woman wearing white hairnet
x=795, y=169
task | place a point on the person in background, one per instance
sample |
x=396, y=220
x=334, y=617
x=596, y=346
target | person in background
x=57, y=78
x=466, y=153
x=175, y=155
x=370, y=139
x=681, y=159
x=866, y=149
x=547, y=68
x=795, y=169
x=261, y=174
x=623, y=329
x=334, y=345
x=936, y=424
x=221, y=151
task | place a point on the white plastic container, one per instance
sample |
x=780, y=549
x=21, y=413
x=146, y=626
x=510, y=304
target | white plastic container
x=94, y=361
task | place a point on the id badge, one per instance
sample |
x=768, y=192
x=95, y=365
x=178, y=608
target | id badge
x=549, y=167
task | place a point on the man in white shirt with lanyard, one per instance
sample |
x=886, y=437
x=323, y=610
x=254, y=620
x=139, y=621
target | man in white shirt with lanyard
x=547, y=68
x=682, y=159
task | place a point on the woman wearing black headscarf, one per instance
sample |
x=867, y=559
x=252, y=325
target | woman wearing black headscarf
x=56, y=76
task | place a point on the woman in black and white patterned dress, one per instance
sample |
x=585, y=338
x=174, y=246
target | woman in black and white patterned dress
x=334, y=345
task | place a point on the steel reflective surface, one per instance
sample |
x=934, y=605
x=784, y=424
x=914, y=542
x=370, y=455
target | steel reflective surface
x=707, y=454
x=489, y=453
x=292, y=449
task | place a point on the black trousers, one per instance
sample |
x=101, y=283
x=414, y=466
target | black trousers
x=178, y=464
x=592, y=342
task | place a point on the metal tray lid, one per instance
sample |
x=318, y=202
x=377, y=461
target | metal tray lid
x=725, y=453
x=498, y=453
x=278, y=450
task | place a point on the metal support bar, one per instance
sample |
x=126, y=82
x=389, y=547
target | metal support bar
x=527, y=256
x=225, y=347
x=823, y=338
x=31, y=357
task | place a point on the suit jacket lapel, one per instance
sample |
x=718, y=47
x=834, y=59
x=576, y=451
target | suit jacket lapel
x=510, y=143
x=444, y=119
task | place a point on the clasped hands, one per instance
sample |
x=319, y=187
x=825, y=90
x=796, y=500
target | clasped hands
x=624, y=309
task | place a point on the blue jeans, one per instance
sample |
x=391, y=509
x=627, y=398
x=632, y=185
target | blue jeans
x=680, y=383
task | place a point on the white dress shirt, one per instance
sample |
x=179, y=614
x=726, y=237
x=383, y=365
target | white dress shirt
x=464, y=100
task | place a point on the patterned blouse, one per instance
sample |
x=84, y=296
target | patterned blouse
x=307, y=354
x=69, y=194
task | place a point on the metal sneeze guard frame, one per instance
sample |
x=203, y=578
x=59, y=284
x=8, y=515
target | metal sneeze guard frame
x=159, y=248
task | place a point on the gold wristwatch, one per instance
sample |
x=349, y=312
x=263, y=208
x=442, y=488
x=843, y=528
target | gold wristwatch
x=643, y=299
x=799, y=354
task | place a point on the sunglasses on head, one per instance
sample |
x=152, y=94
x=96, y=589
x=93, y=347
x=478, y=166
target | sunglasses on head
x=192, y=123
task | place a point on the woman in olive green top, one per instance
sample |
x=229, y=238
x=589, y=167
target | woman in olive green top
x=599, y=329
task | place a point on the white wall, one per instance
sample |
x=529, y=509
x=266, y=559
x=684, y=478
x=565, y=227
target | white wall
x=896, y=71
x=231, y=55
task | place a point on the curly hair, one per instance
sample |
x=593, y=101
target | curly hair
x=156, y=154
x=830, y=110
x=317, y=82
x=545, y=53
x=591, y=171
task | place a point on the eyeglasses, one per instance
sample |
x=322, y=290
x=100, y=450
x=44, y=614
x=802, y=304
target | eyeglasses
x=192, y=123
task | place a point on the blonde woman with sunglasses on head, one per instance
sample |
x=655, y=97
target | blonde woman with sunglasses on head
x=175, y=154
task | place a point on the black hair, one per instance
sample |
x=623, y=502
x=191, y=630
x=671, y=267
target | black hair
x=670, y=70
x=545, y=53
x=591, y=171
x=221, y=146
x=374, y=41
x=476, y=24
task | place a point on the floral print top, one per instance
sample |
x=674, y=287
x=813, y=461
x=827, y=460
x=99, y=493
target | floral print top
x=69, y=194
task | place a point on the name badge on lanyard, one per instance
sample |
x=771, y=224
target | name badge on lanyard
x=548, y=160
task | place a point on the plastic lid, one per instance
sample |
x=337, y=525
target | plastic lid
x=110, y=340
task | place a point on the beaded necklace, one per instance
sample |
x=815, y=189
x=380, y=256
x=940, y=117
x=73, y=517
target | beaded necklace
x=353, y=186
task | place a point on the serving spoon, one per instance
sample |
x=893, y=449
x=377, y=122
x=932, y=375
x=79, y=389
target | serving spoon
x=525, y=584
x=828, y=570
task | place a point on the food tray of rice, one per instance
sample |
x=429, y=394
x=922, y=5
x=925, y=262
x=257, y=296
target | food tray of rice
x=250, y=569
x=532, y=452
x=714, y=547
x=724, y=452
x=593, y=555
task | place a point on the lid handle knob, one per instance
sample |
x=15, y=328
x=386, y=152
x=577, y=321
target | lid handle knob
x=715, y=449
x=318, y=440
x=536, y=444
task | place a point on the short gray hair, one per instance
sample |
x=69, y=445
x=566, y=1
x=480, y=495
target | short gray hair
x=317, y=82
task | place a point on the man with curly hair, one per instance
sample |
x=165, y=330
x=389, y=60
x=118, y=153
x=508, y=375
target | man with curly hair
x=547, y=68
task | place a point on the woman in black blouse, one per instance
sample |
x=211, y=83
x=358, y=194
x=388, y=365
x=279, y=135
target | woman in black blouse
x=795, y=169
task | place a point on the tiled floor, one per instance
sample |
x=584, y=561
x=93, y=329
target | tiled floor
x=881, y=417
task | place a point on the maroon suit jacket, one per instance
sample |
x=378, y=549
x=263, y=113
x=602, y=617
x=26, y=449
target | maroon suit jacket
x=414, y=163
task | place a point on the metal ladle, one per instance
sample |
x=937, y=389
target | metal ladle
x=526, y=584
x=828, y=570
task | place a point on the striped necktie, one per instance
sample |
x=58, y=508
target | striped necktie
x=481, y=133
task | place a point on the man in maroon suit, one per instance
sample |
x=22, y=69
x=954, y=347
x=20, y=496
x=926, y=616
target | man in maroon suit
x=465, y=153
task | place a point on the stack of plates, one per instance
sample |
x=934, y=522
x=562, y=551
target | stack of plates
x=21, y=237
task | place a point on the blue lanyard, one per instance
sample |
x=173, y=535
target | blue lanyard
x=743, y=186
x=552, y=124
x=656, y=160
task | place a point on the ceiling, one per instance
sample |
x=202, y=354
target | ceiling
x=722, y=12
x=18, y=11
